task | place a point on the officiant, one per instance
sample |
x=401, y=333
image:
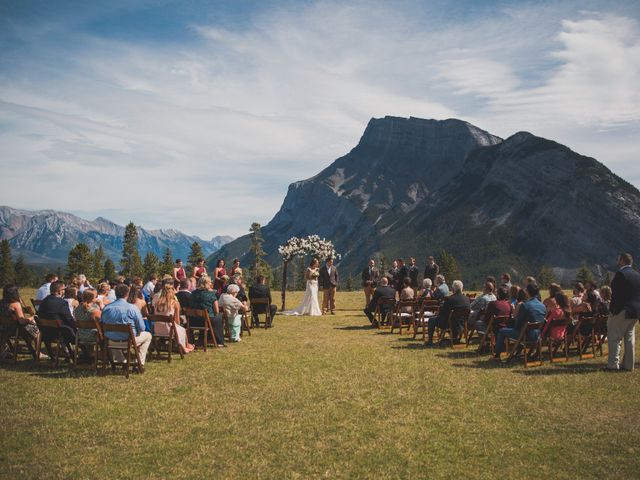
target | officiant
x=328, y=282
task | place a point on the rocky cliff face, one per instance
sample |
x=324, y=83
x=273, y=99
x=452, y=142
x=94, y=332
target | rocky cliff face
x=46, y=236
x=414, y=186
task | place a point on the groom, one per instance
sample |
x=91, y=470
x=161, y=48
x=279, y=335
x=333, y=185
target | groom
x=328, y=282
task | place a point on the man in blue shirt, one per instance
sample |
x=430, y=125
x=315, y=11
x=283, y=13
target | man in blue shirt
x=121, y=312
x=442, y=289
x=531, y=311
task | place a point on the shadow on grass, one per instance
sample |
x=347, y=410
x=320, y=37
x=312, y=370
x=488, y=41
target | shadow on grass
x=411, y=346
x=517, y=366
x=458, y=354
x=355, y=327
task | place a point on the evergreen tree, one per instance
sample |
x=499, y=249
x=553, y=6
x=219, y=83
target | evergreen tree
x=546, y=276
x=166, y=267
x=109, y=269
x=350, y=284
x=7, y=272
x=80, y=261
x=98, y=261
x=449, y=267
x=194, y=255
x=606, y=280
x=584, y=275
x=151, y=265
x=274, y=280
x=25, y=275
x=259, y=266
x=130, y=262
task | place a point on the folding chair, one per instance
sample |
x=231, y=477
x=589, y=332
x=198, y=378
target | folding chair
x=472, y=329
x=36, y=304
x=554, y=345
x=158, y=338
x=205, y=330
x=526, y=344
x=430, y=308
x=384, y=307
x=13, y=338
x=586, y=324
x=600, y=332
x=96, y=345
x=245, y=325
x=53, y=326
x=456, y=315
x=495, y=322
x=125, y=347
x=267, y=311
x=399, y=316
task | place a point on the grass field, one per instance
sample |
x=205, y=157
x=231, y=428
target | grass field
x=323, y=397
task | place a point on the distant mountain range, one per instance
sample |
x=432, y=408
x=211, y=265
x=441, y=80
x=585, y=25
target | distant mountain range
x=412, y=187
x=46, y=236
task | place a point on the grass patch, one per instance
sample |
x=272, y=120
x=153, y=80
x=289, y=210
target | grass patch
x=322, y=397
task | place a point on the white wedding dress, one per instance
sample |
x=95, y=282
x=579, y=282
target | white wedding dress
x=309, y=305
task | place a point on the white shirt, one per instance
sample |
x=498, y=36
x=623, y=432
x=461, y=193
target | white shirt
x=43, y=291
x=329, y=270
x=149, y=288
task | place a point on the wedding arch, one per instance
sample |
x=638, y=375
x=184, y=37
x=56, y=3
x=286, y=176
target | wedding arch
x=312, y=245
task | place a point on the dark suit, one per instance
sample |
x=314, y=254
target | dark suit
x=386, y=292
x=328, y=282
x=370, y=277
x=403, y=272
x=431, y=271
x=394, y=273
x=56, y=308
x=455, y=301
x=413, y=275
x=261, y=291
x=625, y=311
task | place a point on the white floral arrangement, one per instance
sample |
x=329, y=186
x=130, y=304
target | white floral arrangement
x=315, y=274
x=312, y=245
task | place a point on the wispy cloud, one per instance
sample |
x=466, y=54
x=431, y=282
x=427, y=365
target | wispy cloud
x=205, y=133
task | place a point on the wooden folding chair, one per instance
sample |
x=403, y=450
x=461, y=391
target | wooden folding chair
x=54, y=326
x=12, y=337
x=399, y=316
x=430, y=309
x=522, y=340
x=472, y=329
x=495, y=322
x=158, y=339
x=267, y=311
x=245, y=325
x=126, y=347
x=554, y=345
x=380, y=308
x=205, y=330
x=600, y=332
x=587, y=323
x=36, y=304
x=96, y=345
x=455, y=315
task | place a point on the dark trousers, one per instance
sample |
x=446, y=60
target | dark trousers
x=370, y=310
x=443, y=323
x=256, y=315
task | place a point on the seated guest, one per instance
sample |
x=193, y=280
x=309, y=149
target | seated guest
x=122, y=312
x=167, y=304
x=605, y=295
x=531, y=311
x=407, y=292
x=425, y=291
x=578, y=304
x=44, y=291
x=103, y=294
x=501, y=307
x=455, y=301
x=54, y=307
x=480, y=303
x=559, y=310
x=83, y=283
x=11, y=306
x=149, y=287
x=233, y=308
x=442, y=289
x=521, y=297
x=550, y=301
x=592, y=295
x=261, y=290
x=513, y=294
x=205, y=298
x=120, y=280
x=86, y=311
x=242, y=294
x=136, y=298
x=71, y=297
x=184, y=294
x=383, y=291
x=505, y=278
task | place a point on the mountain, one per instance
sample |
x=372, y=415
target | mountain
x=46, y=236
x=412, y=187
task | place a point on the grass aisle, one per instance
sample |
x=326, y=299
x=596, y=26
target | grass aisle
x=322, y=397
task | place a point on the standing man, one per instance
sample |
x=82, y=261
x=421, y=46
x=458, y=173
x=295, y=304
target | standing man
x=413, y=273
x=432, y=269
x=393, y=273
x=329, y=283
x=369, y=280
x=624, y=313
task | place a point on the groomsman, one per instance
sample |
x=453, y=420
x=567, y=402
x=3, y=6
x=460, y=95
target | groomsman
x=328, y=282
x=370, y=277
x=432, y=269
x=394, y=274
x=413, y=273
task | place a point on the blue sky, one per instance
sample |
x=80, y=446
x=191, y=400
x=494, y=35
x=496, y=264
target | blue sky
x=198, y=114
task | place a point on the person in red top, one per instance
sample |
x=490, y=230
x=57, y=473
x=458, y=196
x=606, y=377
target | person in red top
x=499, y=307
x=178, y=271
x=218, y=273
x=199, y=270
x=561, y=311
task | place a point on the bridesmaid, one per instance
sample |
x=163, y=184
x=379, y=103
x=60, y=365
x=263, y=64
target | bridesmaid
x=218, y=273
x=199, y=270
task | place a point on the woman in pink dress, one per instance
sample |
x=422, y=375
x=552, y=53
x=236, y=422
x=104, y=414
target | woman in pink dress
x=167, y=304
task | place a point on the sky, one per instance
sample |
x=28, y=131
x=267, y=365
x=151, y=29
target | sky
x=197, y=115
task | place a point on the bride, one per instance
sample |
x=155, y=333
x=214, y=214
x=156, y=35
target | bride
x=310, y=305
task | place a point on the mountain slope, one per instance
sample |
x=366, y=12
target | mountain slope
x=46, y=236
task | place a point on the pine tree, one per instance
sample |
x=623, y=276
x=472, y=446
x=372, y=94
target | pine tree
x=80, y=261
x=25, y=275
x=130, y=262
x=449, y=267
x=350, y=284
x=166, y=266
x=194, y=255
x=109, y=269
x=259, y=266
x=584, y=275
x=546, y=276
x=151, y=265
x=98, y=261
x=7, y=272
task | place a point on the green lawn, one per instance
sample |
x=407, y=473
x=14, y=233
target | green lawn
x=323, y=397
